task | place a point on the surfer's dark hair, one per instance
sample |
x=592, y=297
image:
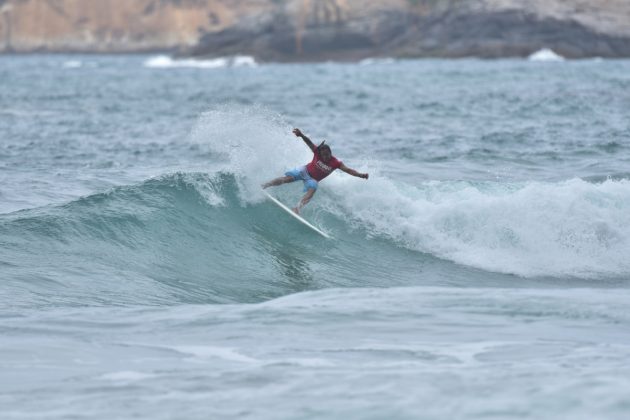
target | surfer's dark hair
x=323, y=146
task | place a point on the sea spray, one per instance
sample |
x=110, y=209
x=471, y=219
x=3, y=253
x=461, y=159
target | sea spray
x=254, y=143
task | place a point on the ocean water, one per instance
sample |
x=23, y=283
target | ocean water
x=483, y=271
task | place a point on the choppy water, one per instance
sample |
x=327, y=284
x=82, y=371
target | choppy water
x=483, y=271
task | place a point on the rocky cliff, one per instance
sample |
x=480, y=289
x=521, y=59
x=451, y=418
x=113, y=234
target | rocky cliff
x=319, y=29
x=116, y=25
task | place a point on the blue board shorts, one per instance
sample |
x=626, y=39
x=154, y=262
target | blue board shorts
x=302, y=173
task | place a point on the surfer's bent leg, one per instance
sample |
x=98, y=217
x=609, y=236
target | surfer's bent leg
x=304, y=201
x=289, y=176
x=310, y=186
x=278, y=181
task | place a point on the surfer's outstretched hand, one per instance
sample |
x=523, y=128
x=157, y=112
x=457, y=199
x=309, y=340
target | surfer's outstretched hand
x=297, y=132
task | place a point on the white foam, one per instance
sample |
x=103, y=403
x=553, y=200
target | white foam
x=166, y=62
x=545, y=54
x=243, y=61
x=570, y=228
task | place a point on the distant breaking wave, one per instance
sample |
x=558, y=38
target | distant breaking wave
x=545, y=54
x=166, y=62
x=377, y=60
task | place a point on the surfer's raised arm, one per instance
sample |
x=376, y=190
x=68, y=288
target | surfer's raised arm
x=308, y=141
x=353, y=172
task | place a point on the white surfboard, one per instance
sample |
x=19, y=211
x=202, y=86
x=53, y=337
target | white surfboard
x=297, y=216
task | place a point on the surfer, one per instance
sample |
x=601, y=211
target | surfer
x=322, y=165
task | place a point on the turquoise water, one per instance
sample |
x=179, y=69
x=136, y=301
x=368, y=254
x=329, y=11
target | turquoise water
x=481, y=272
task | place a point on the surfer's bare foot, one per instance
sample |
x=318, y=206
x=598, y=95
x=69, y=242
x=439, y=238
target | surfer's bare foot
x=265, y=185
x=295, y=210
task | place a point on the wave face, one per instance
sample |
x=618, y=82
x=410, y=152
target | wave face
x=181, y=237
x=177, y=238
x=194, y=238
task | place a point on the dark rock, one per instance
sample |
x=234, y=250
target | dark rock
x=279, y=39
x=503, y=34
x=395, y=33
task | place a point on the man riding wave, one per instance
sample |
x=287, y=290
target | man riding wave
x=322, y=165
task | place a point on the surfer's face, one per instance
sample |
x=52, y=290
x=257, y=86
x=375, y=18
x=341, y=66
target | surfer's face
x=325, y=154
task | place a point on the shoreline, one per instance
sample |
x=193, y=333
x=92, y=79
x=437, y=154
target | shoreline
x=286, y=33
x=317, y=60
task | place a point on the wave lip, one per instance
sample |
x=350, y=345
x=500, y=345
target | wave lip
x=166, y=62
